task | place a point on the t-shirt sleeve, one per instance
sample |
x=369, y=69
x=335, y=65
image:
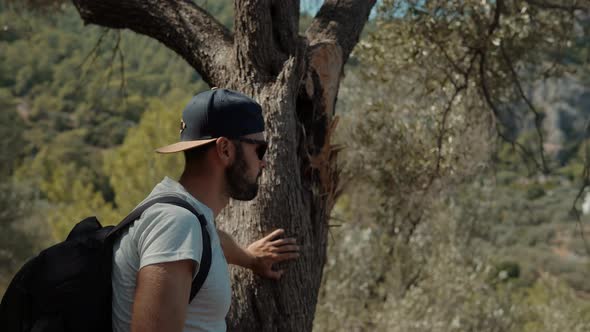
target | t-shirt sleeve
x=168, y=233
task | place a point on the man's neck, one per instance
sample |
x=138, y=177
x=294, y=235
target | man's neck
x=206, y=189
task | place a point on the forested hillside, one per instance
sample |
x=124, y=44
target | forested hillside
x=435, y=230
x=69, y=95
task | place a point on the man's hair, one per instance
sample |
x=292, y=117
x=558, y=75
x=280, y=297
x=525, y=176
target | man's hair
x=196, y=155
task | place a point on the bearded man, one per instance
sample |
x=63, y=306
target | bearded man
x=157, y=258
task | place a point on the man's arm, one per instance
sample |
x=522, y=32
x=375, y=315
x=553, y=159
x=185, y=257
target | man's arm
x=162, y=296
x=262, y=254
x=233, y=252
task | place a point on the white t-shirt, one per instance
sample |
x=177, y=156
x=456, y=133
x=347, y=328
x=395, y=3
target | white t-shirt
x=167, y=233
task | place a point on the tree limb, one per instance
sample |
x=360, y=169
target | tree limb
x=253, y=37
x=525, y=153
x=179, y=24
x=286, y=25
x=341, y=22
x=92, y=56
x=442, y=131
x=266, y=34
x=557, y=6
x=496, y=20
x=538, y=116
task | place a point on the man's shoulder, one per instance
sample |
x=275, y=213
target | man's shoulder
x=164, y=227
x=168, y=211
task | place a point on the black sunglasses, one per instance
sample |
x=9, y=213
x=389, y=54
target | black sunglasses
x=260, y=149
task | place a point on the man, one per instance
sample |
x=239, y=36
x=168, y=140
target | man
x=157, y=258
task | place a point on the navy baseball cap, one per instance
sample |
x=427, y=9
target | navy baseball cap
x=216, y=113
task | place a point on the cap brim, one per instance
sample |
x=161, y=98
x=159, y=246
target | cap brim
x=183, y=146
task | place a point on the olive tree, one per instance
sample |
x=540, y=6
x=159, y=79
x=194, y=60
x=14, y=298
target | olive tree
x=296, y=80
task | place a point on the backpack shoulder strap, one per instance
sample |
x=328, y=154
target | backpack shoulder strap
x=205, y=264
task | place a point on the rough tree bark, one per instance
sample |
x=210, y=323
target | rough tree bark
x=296, y=80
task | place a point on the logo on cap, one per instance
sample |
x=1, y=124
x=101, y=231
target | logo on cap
x=182, y=125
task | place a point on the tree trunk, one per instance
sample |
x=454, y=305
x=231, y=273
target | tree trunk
x=296, y=80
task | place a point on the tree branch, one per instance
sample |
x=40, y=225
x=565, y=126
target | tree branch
x=179, y=24
x=286, y=24
x=557, y=6
x=92, y=55
x=266, y=34
x=538, y=117
x=496, y=20
x=525, y=153
x=442, y=131
x=341, y=22
x=253, y=37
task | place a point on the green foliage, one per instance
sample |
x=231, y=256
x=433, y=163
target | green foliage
x=535, y=192
x=504, y=271
x=74, y=198
x=222, y=10
x=69, y=94
x=464, y=269
x=552, y=306
x=432, y=283
x=11, y=131
x=79, y=89
x=21, y=234
x=436, y=235
x=464, y=49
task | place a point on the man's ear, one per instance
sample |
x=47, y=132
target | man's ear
x=225, y=150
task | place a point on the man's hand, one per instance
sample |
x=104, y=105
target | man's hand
x=269, y=250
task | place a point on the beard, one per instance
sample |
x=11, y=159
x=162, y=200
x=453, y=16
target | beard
x=238, y=186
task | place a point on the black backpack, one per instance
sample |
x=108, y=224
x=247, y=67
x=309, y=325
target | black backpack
x=67, y=287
